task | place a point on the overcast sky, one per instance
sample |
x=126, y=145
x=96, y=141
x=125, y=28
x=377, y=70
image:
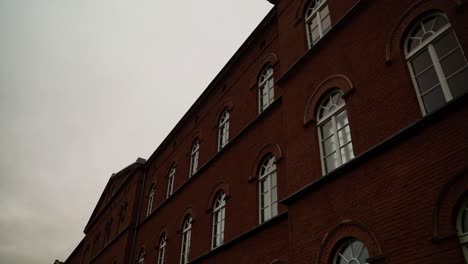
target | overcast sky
x=86, y=87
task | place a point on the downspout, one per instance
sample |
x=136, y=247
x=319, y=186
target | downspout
x=140, y=204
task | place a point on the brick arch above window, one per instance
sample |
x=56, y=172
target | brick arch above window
x=448, y=202
x=270, y=59
x=394, y=47
x=301, y=11
x=346, y=230
x=337, y=81
x=219, y=187
x=268, y=149
x=188, y=212
x=226, y=105
x=157, y=239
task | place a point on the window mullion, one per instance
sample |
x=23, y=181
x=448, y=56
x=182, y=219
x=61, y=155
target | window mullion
x=337, y=140
x=440, y=73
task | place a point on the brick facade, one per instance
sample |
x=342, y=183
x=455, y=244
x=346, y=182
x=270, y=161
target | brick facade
x=399, y=195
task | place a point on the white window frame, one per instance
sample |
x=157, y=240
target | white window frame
x=339, y=258
x=315, y=13
x=331, y=116
x=268, y=175
x=266, y=89
x=162, y=248
x=194, y=156
x=141, y=257
x=170, y=181
x=150, y=200
x=218, y=220
x=428, y=44
x=463, y=236
x=186, y=238
x=223, y=129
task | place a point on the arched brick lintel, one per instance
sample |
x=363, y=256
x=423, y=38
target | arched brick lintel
x=345, y=230
x=273, y=149
x=337, y=81
x=413, y=12
x=220, y=186
x=449, y=199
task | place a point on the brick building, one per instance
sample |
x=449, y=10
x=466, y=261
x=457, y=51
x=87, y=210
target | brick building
x=337, y=133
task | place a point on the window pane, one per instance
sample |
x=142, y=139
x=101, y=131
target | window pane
x=341, y=119
x=347, y=153
x=329, y=146
x=274, y=209
x=331, y=162
x=446, y=44
x=421, y=62
x=324, y=12
x=458, y=83
x=326, y=24
x=434, y=99
x=327, y=129
x=344, y=135
x=273, y=180
x=315, y=34
x=427, y=80
x=453, y=62
x=274, y=195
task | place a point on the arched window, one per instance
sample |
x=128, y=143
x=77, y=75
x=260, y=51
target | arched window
x=462, y=227
x=317, y=19
x=150, y=201
x=266, y=91
x=141, y=257
x=336, y=147
x=186, y=237
x=436, y=62
x=218, y=220
x=351, y=251
x=162, y=248
x=267, y=189
x=223, y=127
x=170, y=181
x=194, y=154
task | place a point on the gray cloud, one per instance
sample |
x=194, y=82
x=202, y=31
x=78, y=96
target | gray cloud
x=85, y=88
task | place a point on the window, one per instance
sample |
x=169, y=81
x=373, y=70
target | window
x=194, y=154
x=223, y=136
x=141, y=257
x=186, y=237
x=334, y=133
x=436, y=62
x=170, y=181
x=162, y=248
x=150, y=201
x=218, y=220
x=317, y=19
x=462, y=227
x=352, y=251
x=265, y=89
x=267, y=189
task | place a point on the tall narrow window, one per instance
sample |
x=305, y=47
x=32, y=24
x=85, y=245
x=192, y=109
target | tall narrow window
x=265, y=89
x=141, y=257
x=223, y=127
x=317, y=19
x=267, y=189
x=462, y=227
x=194, y=154
x=162, y=249
x=170, y=181
x=186, y=237
x=436, y=62
x=336, y=147
x=150, y=201
x=218, y=220
x=352, y=251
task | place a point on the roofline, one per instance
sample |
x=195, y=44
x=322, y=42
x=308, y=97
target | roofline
x=94, y=214
x=211, y=87
x=75, y=251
